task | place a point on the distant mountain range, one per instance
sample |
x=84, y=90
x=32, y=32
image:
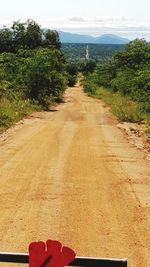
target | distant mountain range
x=67, y=37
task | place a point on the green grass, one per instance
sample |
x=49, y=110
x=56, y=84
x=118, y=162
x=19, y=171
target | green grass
x=122, y=107
x=13, y=111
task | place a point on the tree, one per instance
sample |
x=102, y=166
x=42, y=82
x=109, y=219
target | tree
x=33, y=36
x=19, y=32
x=72, y=70
x=6, y=36
x=134, y=55
x=45, y=75
x=28, y=35
x=51, y=39
x=88, y=67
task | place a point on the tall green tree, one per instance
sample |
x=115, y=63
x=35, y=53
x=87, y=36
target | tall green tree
x=33, y=36
x=51, y=39
x=6, y=37
x=19, y=32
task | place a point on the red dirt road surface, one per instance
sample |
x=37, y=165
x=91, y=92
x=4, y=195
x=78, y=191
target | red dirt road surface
x=72, y=176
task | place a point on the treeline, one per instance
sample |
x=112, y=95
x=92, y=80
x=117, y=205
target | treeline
x=33, y=70
x=28, y=35
x=127, y=74
x=98, y=52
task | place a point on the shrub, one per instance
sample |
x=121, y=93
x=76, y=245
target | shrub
x=127, y=110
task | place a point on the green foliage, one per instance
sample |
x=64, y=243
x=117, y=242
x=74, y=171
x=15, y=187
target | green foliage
x=72, y=71
x=14, y=110
x=90, y=84
x=5, y=114
x=44, y=75
x=122, y=106
x=6, y=36
x=105, y=73
x=39, y=73
x=98, y=52
x=27, y=35
x=134, y=56
x=33, y=35
x=72, y=80
x=51, y=38
x=88, y=67
x=123, y=82
x=128, y=74
x=127, y=110
x=32, y=70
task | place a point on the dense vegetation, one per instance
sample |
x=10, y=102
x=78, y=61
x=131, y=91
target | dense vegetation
x=34, y=73
x=33, y=70
x=98, y=52
x=124, y=82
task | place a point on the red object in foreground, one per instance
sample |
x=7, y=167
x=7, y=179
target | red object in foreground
x=49, y=254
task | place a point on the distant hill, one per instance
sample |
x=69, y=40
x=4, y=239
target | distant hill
x=111, y=39
x=66, y=37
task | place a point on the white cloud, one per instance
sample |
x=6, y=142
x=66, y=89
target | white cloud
x=77, y=19
x=100, y=25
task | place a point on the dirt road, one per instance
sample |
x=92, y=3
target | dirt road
x=71, y=175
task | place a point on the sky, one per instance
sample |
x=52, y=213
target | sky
x=127, y=18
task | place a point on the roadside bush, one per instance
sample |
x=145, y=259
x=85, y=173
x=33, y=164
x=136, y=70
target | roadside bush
x=123, y=82
x=72, y=80
x=89, y=84
x=32, y=69
x=44, y=75
x=13, y=111
x=127, y=79
x=89, y=67
x=127, y=110
x=123, y=107
x=72, y=72
x=36, y=74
